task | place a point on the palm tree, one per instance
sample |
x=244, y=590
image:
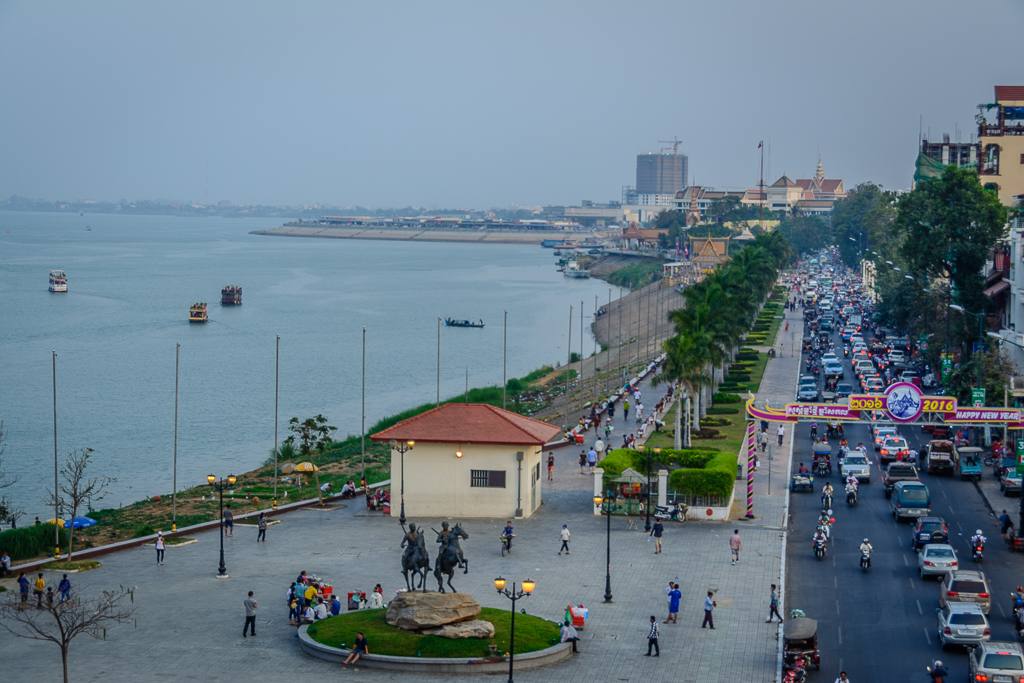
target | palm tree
x=683, y=364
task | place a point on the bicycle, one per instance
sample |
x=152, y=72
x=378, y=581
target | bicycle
x=506, y=544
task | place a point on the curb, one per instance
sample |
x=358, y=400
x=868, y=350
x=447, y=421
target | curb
x=488, y=665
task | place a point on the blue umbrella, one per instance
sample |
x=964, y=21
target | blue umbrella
x=83, y=522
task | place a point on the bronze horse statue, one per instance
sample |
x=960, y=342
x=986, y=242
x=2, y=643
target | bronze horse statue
x=415, y=559
x=450, y=556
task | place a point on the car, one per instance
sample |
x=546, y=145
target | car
x=843, y=389
x=829, y=357
x=893, y=448
x=834, y=369
x=897, y=356
x=996, y=660
x=929, y=530
x=962, y=623
x=881, y=432
x=874, y=385
x=857, y=464
x=911, y=377
x=1009, y=482
x=936, y=559
x=964, y=585
x=826, y=324
x=807, y=392
x=910, y=499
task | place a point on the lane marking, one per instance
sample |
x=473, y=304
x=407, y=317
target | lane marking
x=837, y=607
x=835, y=580
x=921, y=611
x=906, y=561
x=840, y=630
x=911, y=582
x=959, y=525
x=944, y=496
x=927, y=636
x=900, y=541
x=1000, y=606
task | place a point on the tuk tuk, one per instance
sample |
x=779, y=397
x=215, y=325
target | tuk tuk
x=800, y=641
x=822, y=454
x=807, y=343
x=970, y=463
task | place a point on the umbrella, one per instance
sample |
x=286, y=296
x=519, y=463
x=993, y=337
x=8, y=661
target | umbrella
x=287, y=468
x=82, y=522
x=306, y=467
x=59, y=522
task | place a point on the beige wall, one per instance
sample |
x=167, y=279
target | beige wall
x=437, y=483
x=1011, y=170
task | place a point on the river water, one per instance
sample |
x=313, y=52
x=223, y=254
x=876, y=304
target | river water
x=131, y=280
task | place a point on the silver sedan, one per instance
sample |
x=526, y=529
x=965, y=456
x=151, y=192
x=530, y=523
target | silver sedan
x=936, y=559
x=962, y=623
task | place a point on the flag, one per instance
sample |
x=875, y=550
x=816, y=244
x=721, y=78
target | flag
x=686, y=252
x=677, y=245
x=759, y=145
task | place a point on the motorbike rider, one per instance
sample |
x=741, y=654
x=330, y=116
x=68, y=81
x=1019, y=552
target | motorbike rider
x=851, y=488
x=803, y=470
x=937, y=672
x=978, y=540
x=819, y=536
x=865, y=547
x=826, y=495
x=507, y=534
x=860, y=447
x=814, y=431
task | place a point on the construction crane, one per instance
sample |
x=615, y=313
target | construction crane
x=674, y=142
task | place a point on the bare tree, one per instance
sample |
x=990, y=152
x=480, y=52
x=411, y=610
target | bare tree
x=61, y=622
x=74, y=488
x=9, y=512
x=314, y=436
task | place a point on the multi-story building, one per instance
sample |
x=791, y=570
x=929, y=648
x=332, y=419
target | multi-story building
x=658, y=174
x=935, y=156
x=1001, y=143
x=1008, y=263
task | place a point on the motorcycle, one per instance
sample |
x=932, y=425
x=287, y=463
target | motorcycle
x=977, y=551
x=865, y=560
x=823, y=471
x=851, y=495
x=798, y=673
x=676, y=513
x=826, y=498
x=819, y=548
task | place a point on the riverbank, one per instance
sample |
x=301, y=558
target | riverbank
x=426, y=235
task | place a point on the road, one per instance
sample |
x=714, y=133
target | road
x=881, y=625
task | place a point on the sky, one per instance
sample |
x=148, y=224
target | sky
x=479, y=104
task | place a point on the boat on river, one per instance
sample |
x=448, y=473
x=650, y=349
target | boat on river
x=572, y=269
x=58, y=281
x=197, y=313
x=463, y=323
x=551, y=243
x=231, y=296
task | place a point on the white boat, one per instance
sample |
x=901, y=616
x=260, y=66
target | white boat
x=58, y=281
x=572, y=269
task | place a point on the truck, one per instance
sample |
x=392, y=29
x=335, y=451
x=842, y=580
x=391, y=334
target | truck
x=942, y=456
x=896, y=472
x=855, y=320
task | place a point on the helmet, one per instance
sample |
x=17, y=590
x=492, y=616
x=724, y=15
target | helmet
x=978, y=532
x=865, y=540
x=938, y=663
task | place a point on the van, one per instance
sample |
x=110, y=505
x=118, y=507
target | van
x=910, y=499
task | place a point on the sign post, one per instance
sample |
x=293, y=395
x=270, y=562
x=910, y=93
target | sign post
x=947, y=366
x=1020, y=457
x=978, y=398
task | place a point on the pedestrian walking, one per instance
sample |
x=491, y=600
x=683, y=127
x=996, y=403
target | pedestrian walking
x=762, y=440
x=551, y=466
x=781, y=433
x=565, y=538
x=736, y=545
x=625, y=409
x=64, y=588
x=583, y=462
x=159, y=547
x=657, y=530
x=639, y=412
x=37, y=589
x=652, y=638
x=599, y=447
x=229, y=521
x=673, y=605
x=592, y=459
x=250, y=615
x=774, y=607
x=1005, y=524
x=261, y=524
x=611, y=410
x=709, y=606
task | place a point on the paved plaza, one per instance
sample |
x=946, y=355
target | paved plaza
x=189, y=623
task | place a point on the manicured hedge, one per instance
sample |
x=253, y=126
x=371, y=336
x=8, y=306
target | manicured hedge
x=716, y=478
x=732, y=387
x=721, y=397
x=30, y=541
x=716, y=410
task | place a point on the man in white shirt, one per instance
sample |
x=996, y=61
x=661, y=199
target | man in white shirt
x=321, y=609
x=569, y=636
x=599, y=447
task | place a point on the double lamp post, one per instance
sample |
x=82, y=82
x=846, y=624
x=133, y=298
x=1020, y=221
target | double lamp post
x=513, y=595
x=220, y=486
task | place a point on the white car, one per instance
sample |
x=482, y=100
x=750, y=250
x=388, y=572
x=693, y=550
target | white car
x=857, y=464
x=897, y=356
x=936, y=559
x=829, y=356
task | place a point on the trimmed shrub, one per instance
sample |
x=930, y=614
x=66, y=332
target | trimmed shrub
x=707, y=433
x=143, y=530
x=716, y=422
x=715, y=479
x=734, y=377
x=618, y=460
x=716, y=410
x=721, y=397
x=30, y=541
x=747, y=356
x=732, y=387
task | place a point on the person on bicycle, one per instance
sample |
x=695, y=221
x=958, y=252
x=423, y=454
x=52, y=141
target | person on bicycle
x=506, y=535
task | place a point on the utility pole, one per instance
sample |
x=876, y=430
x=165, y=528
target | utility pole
x=174, y=479
x=568, y=369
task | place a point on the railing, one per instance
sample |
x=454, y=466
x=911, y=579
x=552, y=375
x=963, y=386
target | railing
x=697, y=501
x=999, y=131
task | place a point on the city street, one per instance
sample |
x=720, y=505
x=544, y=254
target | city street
x=881, y=625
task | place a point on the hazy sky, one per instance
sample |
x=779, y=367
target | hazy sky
x=478, y=103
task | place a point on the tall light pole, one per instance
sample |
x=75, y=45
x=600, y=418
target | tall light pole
x=402, y=447
x=277, y=377
x=568, y=370
x=437, y=404
x=174, y=478
x=504, y=362
x=647, y=506
x=56, y=490
x=607, y=504
x=513, y=595
x=219, y=486
x=362, y=419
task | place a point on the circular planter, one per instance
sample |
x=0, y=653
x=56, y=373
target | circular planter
x=483, y=665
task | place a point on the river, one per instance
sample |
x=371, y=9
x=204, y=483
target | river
x=131, y=280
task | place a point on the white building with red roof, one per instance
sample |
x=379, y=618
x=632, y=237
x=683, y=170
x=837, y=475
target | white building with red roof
x=467, y=460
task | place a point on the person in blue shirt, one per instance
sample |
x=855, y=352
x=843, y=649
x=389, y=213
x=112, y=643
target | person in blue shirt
x=506, y=533
x=673, y=606
x=335, y=606
x=65, y=589
x=23, y=588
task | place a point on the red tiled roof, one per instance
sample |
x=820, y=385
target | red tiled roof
x=1009, y=92
x=632, y=232
x=784, y=181
x=464, y=423
x=831, y=185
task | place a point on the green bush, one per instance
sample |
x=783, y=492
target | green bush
x=720, y=397
x=716, y=422
x=618, y=460
x=746, y=356
x=730, y=387
x=735, y=377
x=143, y=530
x=30, y=541
x=715, y=410
x=715, y=479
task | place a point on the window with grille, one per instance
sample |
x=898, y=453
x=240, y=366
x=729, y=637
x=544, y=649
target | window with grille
x=487, y=478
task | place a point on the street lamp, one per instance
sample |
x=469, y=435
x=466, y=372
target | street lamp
x=647, y=506
x=607, y=505
x=909, y=277
x=219, y=486
x=402, y=448
x=513, y=595
x=981, y=324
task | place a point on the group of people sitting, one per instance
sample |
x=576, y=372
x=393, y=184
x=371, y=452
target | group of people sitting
x=308, y=602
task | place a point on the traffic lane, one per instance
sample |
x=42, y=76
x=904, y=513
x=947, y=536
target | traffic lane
x=877, y=625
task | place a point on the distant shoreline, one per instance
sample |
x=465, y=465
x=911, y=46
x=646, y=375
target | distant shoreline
x=424, y=235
